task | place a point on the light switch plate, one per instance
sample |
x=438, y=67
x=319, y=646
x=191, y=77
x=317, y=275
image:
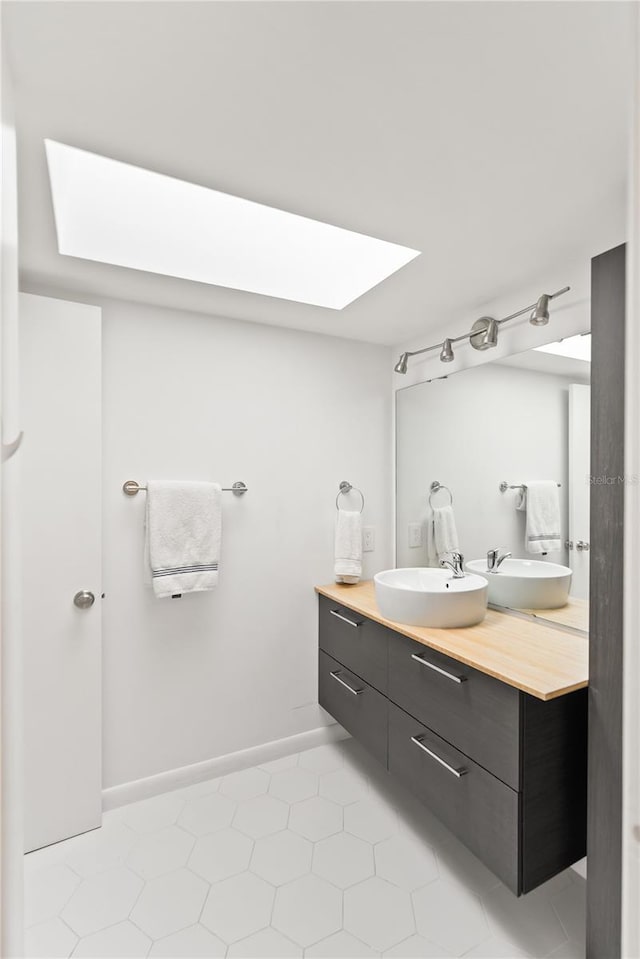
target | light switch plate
x=368, y=539
x=415, y=535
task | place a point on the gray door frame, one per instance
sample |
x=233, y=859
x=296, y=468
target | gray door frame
x=606, y=621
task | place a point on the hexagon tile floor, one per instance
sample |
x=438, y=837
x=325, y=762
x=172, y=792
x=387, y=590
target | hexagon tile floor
x=317, y=854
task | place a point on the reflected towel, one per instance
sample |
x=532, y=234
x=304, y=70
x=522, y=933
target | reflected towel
x=541, y=501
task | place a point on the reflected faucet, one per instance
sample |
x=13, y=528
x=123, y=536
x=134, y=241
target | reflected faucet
x=495, y=558
x=455, y=564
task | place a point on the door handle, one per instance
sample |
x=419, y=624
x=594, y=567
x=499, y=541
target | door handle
x=84, y=599
x=335, y=675
x=437, y=669
x=345, y=619
x=459, y=772
x=581, y=545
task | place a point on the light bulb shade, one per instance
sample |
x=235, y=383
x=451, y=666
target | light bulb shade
x=401, y=365
x=540, y=314
x=484, y=333
x=446, y=353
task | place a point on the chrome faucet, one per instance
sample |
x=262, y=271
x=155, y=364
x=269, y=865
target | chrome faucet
x=455, y=564
x=495, y=558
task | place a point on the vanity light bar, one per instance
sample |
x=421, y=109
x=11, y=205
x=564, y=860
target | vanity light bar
x=483, y=335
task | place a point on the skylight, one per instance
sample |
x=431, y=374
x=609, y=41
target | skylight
x=112, y=212
x=576, y=347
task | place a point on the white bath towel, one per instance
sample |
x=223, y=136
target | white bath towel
x=541, y=501
x=348, y=548
x=445, y=533
x=182, y=536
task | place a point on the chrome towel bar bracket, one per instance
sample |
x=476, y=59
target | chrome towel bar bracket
x=130, y=488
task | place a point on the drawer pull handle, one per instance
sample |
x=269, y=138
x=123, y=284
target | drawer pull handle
x=334, y=612
x=437, y=669
x=461, y=771
x=336, y=676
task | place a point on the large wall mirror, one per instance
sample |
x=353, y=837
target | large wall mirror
x=486, y=433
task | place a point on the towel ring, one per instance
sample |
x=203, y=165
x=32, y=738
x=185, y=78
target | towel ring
x=436, y=487
x=346, y=488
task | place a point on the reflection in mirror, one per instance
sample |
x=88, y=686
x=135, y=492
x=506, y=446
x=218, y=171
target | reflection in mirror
x=493, y=435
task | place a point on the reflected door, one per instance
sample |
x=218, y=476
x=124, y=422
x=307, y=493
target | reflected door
x=60, y=394
x=579, y=487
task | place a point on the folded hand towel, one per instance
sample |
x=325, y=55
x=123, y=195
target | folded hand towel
x=348, y=549
x=182, y=536
x=541, y=501
x=445, y=532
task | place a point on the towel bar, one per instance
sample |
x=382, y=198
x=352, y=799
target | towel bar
x=504, y=486
x=130, y=488
x=346, y=487
x=435, y=487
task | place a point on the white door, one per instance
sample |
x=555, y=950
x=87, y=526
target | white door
x=579, y=487
x=60, y=391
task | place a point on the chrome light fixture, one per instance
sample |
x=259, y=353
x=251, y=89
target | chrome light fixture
x=484, y=333
x=446, y=353
x=401, y=365
x=540, y=313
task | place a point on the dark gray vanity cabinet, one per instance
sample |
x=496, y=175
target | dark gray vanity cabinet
x=476, y=712
x=355, y=704
x=504, y=771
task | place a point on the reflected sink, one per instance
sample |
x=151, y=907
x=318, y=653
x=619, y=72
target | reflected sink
x=431, y=597
x=525, y=583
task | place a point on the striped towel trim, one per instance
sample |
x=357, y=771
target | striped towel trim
x=538, y=539
x=178, y=570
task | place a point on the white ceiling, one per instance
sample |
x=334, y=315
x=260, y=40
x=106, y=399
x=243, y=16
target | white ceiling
x=490, y=136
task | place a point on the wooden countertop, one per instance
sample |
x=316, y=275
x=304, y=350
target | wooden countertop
x=537, y=659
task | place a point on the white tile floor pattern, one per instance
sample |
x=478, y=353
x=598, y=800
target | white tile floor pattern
x=318, y=854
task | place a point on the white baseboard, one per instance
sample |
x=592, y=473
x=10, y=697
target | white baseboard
x=220, y=766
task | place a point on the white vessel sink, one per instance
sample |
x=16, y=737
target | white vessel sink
x=525, y=583
x=431, y=597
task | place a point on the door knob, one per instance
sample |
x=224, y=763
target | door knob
x=84, y=599
x=582, y=545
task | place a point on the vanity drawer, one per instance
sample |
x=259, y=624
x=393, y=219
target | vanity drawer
x=356, y=705
x=358, y=643
x=478, y=808
x=474, y=712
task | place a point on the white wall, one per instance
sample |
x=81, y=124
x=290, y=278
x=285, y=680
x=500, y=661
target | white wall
x=471, y=432
x=10, y=656
x=291, y=414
